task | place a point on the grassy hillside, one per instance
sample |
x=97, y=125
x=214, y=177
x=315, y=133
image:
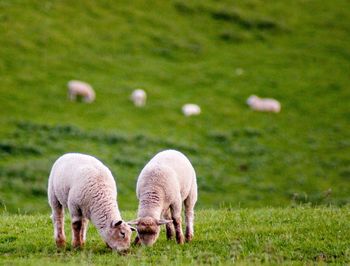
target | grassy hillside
x=295, y=51
x=272, y=236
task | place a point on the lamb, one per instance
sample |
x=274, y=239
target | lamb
x=263, y=104
x=166, y=181
x=139, y=97
x=81, y=89
x=191, y=109
x=87, y=188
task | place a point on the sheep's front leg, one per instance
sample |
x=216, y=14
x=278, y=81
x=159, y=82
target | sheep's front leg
x=83, y=230
x=58, y=224
x=137, y=241
x=176, y=216
x=170, y=231
x=77, y=225
x=72, y=96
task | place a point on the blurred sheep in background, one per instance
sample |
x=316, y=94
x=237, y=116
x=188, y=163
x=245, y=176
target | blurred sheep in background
x=79, y=89
x=239, y=71
x=263, y=104
x=190, y=109
x=139, y=97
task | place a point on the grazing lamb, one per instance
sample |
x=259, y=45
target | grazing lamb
x=139, y=97
x=80, y=89
x=191, y=109
x=87, y=188
x=263, y=104
x=163, y=185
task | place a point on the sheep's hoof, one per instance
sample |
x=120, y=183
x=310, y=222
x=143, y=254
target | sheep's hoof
x=180, y=240
x=60, y=243
x=189, y=238
x=77, y=244
x=137, y=241
x=169, y=234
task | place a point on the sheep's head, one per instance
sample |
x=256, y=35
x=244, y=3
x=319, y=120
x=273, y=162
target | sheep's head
x=118, y=235
x=148, y=229
x=252, y=99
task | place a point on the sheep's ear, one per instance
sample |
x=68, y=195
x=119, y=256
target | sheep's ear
x=132, y=228
x=160, y=222
x=116, y=223
x=133, y=222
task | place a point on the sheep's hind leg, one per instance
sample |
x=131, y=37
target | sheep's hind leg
x=170, y=231
x=176, y=216
x=58, y=223
x=189, y=217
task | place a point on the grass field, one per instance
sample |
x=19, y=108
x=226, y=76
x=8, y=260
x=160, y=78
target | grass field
x=265, y=235
x=183, y=51
x=179, y=52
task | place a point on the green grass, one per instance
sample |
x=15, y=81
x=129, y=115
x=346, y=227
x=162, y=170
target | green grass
x=183, y=51
x=297, y=52
x=245, y=236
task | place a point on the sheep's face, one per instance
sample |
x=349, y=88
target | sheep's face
x=252, y=99
x=119, y=235
x=148, y=229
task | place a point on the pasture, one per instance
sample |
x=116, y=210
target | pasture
x=222, y=237
x=290, y=170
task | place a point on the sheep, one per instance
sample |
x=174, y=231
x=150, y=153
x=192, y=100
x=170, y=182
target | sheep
x=87, y=188
x=80, y=89
x=166, y=181
x=263, y=104
x=191, y=109
x=139, y=97
x=239, y=71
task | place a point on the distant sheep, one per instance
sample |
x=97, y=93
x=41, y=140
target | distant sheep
x=190, y=109
x=164, y=184
x=87, y=188
x=263, y=104
x=239, y=71
x=139, y=97
x=81, y=89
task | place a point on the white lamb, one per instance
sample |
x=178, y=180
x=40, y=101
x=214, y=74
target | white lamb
x=81, y=89
x=139, y=97
x=263, y=104
x=164, y=184
x=87, y=188
x=191, y=109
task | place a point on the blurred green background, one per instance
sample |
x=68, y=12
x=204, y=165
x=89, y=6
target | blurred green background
x=179, y=51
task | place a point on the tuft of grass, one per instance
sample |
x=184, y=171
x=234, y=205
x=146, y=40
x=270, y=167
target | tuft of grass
x=11, y=149
x=223, y=236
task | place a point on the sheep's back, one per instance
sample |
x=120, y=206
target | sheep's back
x=171, y=171
x=80, y=176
